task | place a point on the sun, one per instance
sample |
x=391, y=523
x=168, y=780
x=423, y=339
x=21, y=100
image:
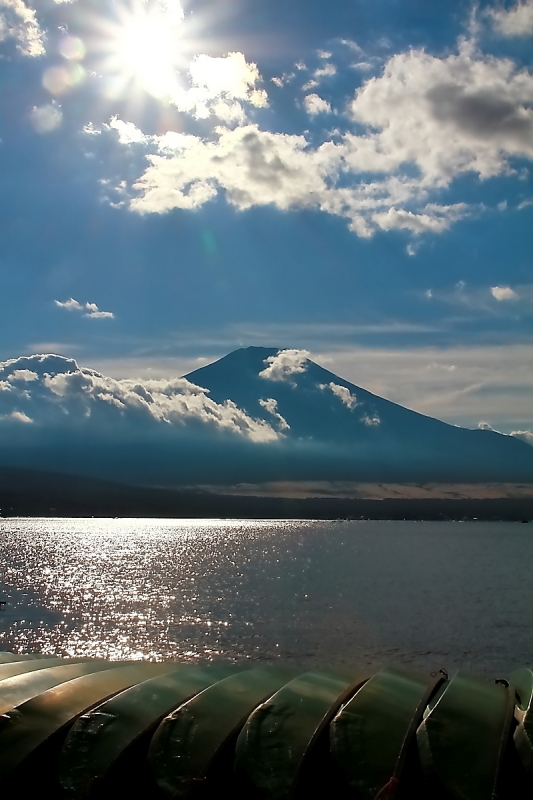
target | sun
x=145, y=45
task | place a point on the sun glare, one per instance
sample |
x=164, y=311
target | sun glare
x=144, y=46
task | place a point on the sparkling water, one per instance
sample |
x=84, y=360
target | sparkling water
x=428, y=594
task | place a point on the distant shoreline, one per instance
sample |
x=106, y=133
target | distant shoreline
x=32, y=493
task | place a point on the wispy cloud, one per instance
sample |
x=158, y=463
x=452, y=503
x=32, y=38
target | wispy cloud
x=459, y=384
x=271, y=405
x=346, y=397
x=489, y=300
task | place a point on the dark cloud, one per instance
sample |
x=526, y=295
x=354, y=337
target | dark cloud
x=483, y=113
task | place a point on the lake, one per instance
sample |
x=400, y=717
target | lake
x=427, y=594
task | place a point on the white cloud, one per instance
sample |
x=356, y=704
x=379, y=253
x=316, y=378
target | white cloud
x=92, y=130
x=70, y=304
x=485, y=426
x=517, y=21
x=91, y=309
x=252, y=167
x=284, y=364
x=503, y=293
x=64, y=393
x=437, y=220
x=24, y=375
x=17, y=416
x=363, y=66
x=128, y=133
x=271, y=406
x=316, y=105
x=525, y=436
x=323, y=54
x=425, y=122
x=327, y=71
x=219, y=86
x=19, y=22
x=231, y=75
x=446, y=116
x=371, y=422
x=99, y=314
x=342, y=392
x=480, y=298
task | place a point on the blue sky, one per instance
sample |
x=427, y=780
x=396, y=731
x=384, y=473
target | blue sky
x=349, y=178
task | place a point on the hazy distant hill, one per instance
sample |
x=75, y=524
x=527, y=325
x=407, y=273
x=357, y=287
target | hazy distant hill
x=50, y=494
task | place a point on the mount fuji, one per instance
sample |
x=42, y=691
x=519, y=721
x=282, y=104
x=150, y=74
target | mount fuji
x=256, y=415
x=352, y=433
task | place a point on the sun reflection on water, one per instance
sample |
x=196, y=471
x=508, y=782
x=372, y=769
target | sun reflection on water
x=309, y=592
x=131, y=589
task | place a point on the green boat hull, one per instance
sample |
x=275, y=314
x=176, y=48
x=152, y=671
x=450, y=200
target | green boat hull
x=91, y=729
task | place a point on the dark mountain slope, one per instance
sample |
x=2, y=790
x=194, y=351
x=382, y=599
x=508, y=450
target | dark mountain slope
x=366, y=436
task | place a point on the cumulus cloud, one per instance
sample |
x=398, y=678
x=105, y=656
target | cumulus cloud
x=93, y=312
x=285, y=364
x=271, y=406
x=314, y=104
x=219, y=86
x=422, y=123
x=91, y=309
x=525, y=436
x=19, y=22
x=342, y=392
x=516, y=21
x=128, y=133
x=231, y=75
x=63, y=393
x=503, y=293
x=24, y=375
x=446, y=116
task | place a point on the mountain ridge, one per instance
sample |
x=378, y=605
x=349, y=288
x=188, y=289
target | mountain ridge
x=256, y=415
